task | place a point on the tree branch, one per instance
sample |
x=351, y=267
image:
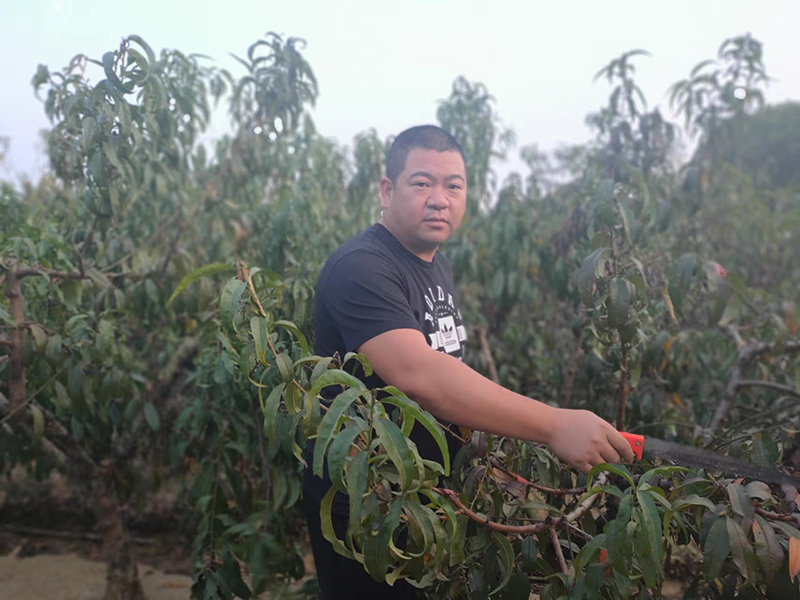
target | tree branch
x=486, y=353
x=623, y=389
x=555, y=491
x=524, y=529
x=787, y=389
x=748, y=352
x=559, y=552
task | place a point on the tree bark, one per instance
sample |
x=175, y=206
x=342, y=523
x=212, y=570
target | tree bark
x=17, y=385
x=122, y=576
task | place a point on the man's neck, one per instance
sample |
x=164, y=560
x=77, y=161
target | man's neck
x=426, y=255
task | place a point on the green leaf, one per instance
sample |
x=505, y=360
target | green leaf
x=621, y=295
x=356, y=481
x=232, y=577
x=620, y=470
x=39, y=336
x=741, y=504
x=396, y=446
x=320, y=368
x=651, y=522
x=38, y=423
x=229, y=303
x=271, y=409
x=327, y=525
x=619, y=542
x=529, y=554
x=285, y=366
x=505, y=557
x=760, y=491
x=289, y=326
x=593, y=266
x=89, y=126
x=412, y=410
x=258, y=329
x=741, y=550
x=329, y=424
x=337, y=455
x=151, y=416
x=769, y=551
x=693, y=500
x=586, y=553
x=419, y=526
x=716, y=549
x=680, y=280
x=52, y=352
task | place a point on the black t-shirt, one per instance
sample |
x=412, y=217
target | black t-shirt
x=373, y=284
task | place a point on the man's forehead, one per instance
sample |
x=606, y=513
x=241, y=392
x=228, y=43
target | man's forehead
x=441, y=164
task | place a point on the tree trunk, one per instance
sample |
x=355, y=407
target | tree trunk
x=122, y=576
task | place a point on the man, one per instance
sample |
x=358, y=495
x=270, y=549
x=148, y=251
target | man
x=388, y=294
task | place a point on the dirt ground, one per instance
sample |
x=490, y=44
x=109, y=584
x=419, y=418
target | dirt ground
x=71, y=577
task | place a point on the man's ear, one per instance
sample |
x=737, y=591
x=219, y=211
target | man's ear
x=386, y=192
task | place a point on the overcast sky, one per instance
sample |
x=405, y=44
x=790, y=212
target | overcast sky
x=386, y=64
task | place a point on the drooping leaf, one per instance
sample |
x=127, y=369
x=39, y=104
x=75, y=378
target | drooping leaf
x=229, y=303
x=716, y=549
x=680, y=280
x=505, y=557
x=337, y=455
x=396, y=446
x=741, y=504
x=412, y=410
x=289, y=326
x=768, y=548
x=742, y=552
x=329, y=423
x=356, y=482
x=151, y=416
x=38, y=423
x=328, y=532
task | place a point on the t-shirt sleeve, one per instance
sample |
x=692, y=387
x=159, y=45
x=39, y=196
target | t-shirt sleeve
x=363, y=297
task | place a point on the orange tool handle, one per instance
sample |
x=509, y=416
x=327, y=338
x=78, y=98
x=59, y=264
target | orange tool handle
x=636, y=442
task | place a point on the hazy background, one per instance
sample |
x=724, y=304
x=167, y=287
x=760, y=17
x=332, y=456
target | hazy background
x=385, y=65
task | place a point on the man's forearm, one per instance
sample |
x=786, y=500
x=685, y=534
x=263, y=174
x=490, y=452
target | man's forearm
x=454, y=392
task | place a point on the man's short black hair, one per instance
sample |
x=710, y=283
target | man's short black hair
x=427, y=137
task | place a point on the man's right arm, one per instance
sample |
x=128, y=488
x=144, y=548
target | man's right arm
x=454, y=392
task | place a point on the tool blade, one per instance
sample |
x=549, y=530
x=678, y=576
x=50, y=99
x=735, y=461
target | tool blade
x=689, y=456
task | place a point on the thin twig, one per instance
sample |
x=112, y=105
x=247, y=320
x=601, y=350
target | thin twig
x=557, y=547
x=524, y=529
x=486, y=352
x=787, y=389
x=773, y=516
x=555, y=491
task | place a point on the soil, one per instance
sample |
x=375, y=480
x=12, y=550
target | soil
x=73, y=577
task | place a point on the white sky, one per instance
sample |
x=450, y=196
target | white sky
x=386, y=64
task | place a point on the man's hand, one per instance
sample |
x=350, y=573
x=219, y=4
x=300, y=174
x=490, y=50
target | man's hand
x=584, y=440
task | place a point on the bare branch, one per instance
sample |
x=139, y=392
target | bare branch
x=524, y=529
x=487, y=354
x=559, y=552
x=747, y=353
x=786, y=389
x=555, y=491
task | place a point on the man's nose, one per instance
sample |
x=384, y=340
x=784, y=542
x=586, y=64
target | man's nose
x=438, y=199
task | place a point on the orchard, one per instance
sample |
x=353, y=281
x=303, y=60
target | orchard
x=156, y=331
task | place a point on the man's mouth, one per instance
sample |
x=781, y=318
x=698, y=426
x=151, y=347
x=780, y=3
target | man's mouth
x=437, y=220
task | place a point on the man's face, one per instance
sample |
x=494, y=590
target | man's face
x=427, y=202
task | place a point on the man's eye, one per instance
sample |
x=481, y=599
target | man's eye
x=454, y=186
x=420, y=184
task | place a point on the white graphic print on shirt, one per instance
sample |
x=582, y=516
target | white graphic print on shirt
x=443, y=324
